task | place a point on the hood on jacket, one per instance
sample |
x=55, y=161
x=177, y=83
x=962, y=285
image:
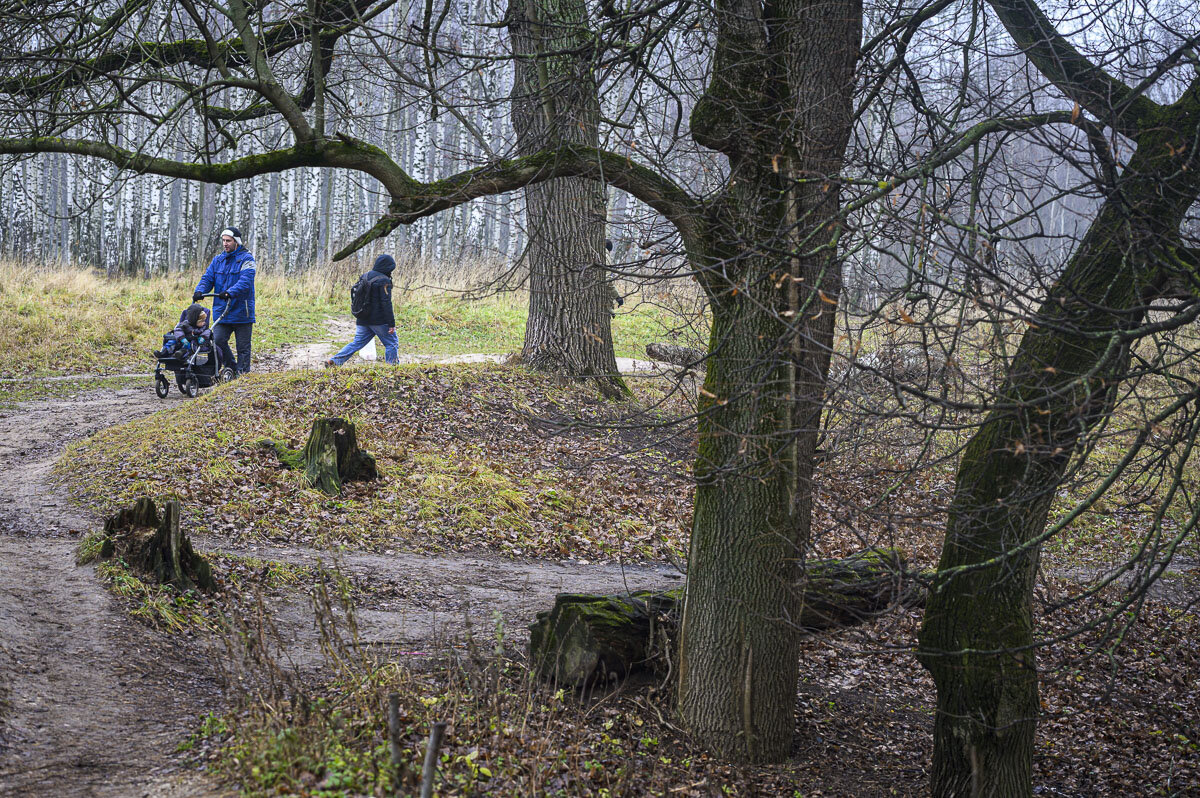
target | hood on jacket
x=192, y=315
x=384, y=264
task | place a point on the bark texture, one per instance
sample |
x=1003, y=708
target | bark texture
x=586, y=637
x=555, y=102
x=977, y=638
x=153, y=545
x=332, y=456
x=778, y=105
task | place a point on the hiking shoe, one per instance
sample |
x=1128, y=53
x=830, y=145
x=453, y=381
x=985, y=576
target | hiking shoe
x=329, y=363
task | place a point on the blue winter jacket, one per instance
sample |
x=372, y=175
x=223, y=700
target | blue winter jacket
x=231, y=272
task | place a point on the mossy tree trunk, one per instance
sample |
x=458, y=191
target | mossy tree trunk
x=778, y=105
x=554, y=102
x=332, y=456
x=977, y=638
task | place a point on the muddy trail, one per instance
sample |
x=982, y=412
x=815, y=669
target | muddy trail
x=94, y=703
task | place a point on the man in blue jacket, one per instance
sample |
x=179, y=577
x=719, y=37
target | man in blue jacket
x=231, y=277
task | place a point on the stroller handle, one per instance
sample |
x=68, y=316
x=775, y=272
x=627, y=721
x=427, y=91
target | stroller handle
x=215, y=295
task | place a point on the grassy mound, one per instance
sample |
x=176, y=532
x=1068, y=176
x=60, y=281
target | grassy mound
x=470, y=458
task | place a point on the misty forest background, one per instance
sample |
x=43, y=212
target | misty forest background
x=58, y=208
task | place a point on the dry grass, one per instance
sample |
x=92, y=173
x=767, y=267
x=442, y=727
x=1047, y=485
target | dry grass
x=63, y=320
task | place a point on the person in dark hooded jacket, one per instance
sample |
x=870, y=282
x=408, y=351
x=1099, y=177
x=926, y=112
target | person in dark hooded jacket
x=375, y=319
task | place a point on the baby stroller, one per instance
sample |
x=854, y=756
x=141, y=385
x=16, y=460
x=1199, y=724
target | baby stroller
x=195, y=363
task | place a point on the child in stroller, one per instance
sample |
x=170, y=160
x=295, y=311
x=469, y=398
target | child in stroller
x=193, y=322
x=188, y=352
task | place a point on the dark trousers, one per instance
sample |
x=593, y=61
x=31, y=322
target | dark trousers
x=242, y=333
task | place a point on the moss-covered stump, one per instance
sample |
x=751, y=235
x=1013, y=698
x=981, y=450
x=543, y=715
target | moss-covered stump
x=585, y=638
x=152, y=544
x=332, y=456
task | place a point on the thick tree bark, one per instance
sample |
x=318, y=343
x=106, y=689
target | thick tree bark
x=977, y=638
x=554, y=102
x=778, y=105
x=585, y=637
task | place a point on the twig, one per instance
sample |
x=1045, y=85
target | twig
x=393, y=716
x=431, y=755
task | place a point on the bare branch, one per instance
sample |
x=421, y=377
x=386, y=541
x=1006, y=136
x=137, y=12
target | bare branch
x=1096, y=91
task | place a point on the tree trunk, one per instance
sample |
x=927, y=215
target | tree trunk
x=977, y=637
x=154, y=545
x=585, y=637
x=778, y=105
x=554, y=101
x=332, y=456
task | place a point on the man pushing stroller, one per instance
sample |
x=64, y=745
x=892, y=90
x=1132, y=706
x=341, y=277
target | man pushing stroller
x=230, y=276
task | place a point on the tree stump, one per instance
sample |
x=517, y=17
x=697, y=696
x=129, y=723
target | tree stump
x=154, y=545
x=332, y=456
x=585, y=638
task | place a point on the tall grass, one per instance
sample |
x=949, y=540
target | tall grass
x=63, y=320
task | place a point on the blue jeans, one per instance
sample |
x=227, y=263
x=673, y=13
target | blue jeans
x=242, y=332
x=362, y=337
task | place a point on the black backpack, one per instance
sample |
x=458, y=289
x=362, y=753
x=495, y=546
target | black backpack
x=360, y=294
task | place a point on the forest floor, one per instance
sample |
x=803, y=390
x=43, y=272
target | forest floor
x=77, y=672
x=94, y=701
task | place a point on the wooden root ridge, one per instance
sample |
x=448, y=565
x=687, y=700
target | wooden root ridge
x=153, y=545
x=588, y=638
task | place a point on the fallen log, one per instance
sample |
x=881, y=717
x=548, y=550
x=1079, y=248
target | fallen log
x=585, y=638
x=677, y=355
x=153, y=545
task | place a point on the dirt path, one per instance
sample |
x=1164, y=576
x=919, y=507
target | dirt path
x=93, y=703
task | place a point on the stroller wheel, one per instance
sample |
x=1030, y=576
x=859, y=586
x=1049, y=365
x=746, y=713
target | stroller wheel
x=224, y=375
x=191, y=387
x=161, y=386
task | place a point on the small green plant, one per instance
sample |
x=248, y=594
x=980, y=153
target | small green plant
x=89, y=548
x=159, y=605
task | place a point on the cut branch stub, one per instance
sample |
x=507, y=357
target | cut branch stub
x=332, y=456
x=154, y=545
x=589, y=637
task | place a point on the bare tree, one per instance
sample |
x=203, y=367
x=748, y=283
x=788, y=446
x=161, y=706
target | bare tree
x=978, y=636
